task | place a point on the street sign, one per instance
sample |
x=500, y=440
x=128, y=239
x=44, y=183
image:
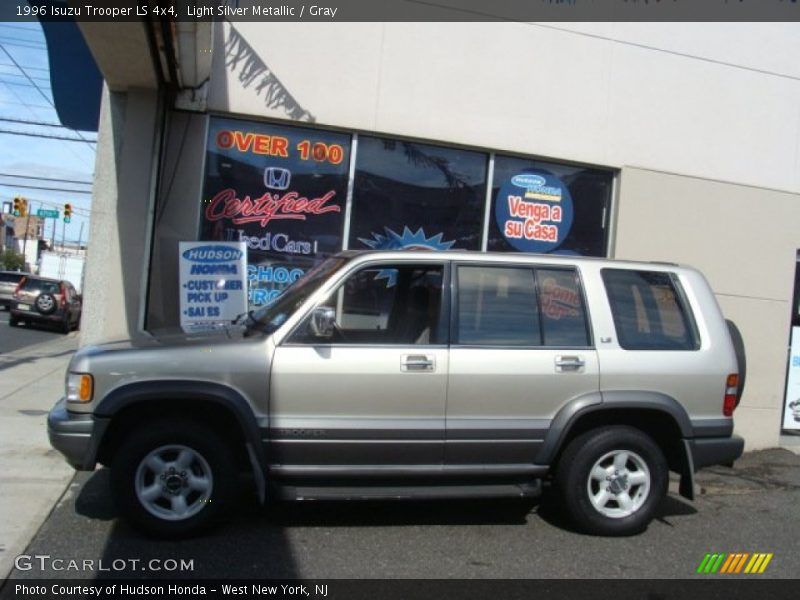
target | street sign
x=46, y=213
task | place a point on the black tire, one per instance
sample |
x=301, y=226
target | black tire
x=45, y=303
x=173, y=435
x=574, y=479
x=13, y=321
x=65, y=324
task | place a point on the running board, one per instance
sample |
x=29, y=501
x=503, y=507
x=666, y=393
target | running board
x=531, y=489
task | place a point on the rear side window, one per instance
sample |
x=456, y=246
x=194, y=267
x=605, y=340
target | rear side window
x=650, y=311
x=9, y=278
x=45, y=287
x=520, y=306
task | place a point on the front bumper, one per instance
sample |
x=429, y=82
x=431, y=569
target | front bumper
x=76, y=436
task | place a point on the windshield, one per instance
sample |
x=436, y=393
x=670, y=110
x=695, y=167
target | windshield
x=274, y=314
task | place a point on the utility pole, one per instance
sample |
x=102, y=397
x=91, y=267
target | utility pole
x=25, y=239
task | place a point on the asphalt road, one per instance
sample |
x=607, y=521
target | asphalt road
x=15, y=338
x=752, y=508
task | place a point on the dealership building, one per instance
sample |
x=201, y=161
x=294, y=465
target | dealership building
x=675, y=142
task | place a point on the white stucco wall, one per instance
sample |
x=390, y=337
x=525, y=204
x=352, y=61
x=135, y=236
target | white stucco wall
x=713, y=100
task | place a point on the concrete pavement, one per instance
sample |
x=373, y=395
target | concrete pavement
x=33, y=476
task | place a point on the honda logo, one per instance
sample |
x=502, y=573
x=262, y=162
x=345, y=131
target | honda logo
x=277, y=178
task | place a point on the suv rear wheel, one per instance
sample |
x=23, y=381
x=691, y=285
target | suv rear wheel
x=173, y=477
x=612, y=480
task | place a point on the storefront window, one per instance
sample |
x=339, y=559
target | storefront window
x=408, y=194
x=546, y=207
x=282, y=191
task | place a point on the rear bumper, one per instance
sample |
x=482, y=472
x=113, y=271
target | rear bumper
x=76, y=436
x=715, y=451
x=33, y=315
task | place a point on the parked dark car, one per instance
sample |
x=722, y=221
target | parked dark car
x=42, y=300
x=8, y=284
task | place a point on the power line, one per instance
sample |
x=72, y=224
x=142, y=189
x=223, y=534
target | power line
x=21, y=70
x=50, y=137
x=7, y=37
x=19, y=83
x=23, y=28
x=46, y=178
x=18, y=45
x=49, y=101
x=10, y=74
x=27, y=105
x=30, y=67
x=42, y=123
x=39, y=187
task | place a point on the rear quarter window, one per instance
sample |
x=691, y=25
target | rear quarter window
x=650, y=310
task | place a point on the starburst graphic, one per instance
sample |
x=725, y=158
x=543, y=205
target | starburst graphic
x=409, y=240
x=416, y=240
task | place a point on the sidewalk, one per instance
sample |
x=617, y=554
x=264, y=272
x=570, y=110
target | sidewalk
x=33, y=476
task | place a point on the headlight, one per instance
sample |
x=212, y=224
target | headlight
x=79, y=387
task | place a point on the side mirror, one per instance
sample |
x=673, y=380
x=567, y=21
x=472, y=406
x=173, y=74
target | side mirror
x=323, y=322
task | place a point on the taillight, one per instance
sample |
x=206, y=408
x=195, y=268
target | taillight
x=731, y=394
x=63, y=293
x=19, y=287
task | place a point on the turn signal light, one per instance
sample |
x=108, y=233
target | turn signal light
x=79, y=387
x=731, y=393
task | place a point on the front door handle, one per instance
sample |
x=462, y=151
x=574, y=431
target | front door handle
x=417, y=362
x=569, y=363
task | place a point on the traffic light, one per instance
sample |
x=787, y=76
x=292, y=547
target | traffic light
x=67, y=212
x=17, y=206
x=23, y=207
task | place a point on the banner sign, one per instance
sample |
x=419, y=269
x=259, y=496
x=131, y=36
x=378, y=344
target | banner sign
x=534, y=211
x=213, y=289
x=278, y=190
x=791, y=409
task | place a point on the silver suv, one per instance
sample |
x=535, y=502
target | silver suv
x=421, y=375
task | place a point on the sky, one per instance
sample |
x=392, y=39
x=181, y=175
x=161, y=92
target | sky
x=39, y=162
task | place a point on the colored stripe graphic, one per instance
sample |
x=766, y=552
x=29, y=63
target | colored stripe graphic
x=741, y=562
x=765, y=563
x=728, y=563
x=734, y=563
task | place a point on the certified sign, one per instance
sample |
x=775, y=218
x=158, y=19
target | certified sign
x=213, y=287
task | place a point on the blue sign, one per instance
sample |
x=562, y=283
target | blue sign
x=534, y=211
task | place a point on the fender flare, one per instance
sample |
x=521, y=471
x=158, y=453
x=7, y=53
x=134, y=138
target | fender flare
x=595, y=402
x=173, y=390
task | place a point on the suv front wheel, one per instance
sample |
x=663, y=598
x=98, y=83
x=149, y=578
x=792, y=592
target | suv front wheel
x=612, y=480
x=173, y=478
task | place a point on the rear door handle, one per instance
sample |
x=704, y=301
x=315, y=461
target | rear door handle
x=417, y=362
x=569, y=363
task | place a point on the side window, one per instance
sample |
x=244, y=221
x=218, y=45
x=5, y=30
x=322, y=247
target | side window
x=391, y=304
x=649, y=311
x=497, y=306
x=564, y=320
x=520, y=306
